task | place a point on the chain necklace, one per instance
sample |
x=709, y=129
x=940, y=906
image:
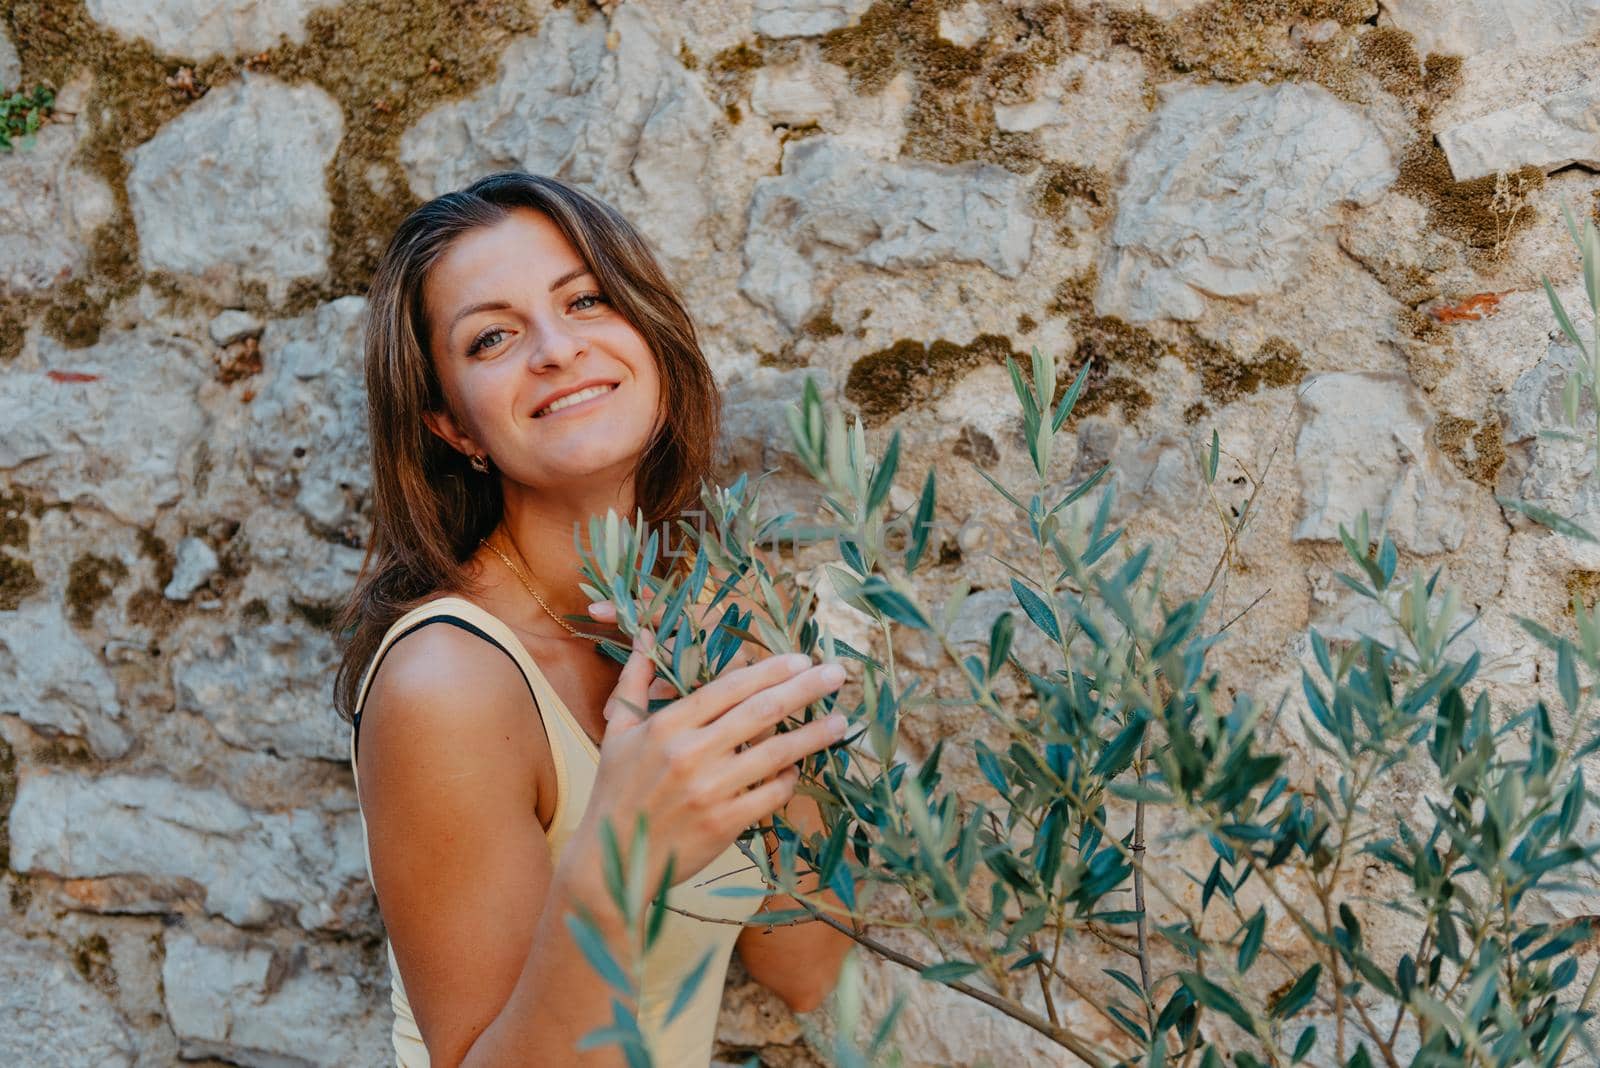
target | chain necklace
x=517, y=571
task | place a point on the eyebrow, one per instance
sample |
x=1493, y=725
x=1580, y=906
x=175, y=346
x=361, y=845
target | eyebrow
x=500, y=305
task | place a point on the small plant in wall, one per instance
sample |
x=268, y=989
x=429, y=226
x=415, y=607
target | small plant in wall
x=21, y=115
x=1131, y=841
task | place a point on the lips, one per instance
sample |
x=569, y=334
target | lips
x=574, y=397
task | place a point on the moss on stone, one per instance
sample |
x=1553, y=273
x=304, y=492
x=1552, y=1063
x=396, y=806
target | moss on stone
x=1469, y=211
x=1059, y=187
x=909, y=373
x=973, y=444
x=157, y=552
x=385, y=61
x=255, y=611
x=821, y=326
x=8, y=794
x=1225, y=40
x=87, y=585
x=91, y=958
x=17, y=577
x=951, y=119
x=1581, y=585
x=320, y=614
x=1226, y=378
x=1026, y=324
x=1478, y=451
x=13, y=328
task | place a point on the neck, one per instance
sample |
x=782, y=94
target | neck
x=540, y=525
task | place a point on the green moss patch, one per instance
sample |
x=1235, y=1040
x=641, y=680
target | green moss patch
x=89, y=582
x=385, y=61
x=8, y=794
x=17, y=578
x=1483, y=213
x=1478, y=451
x=1059, y=187
x=910, y=373
x=91, y=958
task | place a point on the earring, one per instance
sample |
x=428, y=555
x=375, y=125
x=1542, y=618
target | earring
x=480, y=463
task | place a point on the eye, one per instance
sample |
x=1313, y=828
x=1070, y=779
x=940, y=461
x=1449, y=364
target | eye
x=483, y=340
x=598, y=298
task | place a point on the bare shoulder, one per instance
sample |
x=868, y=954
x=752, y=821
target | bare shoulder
x=445, y=697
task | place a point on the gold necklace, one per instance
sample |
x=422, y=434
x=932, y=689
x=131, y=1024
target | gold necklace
x=515, y=570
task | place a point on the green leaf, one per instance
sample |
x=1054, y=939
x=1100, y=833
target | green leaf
x=923, y=523
x=1254, y=930
x=687, y=988
x=1561, y=314
x=877, y=592
x=1211, y=460
x=1120, y=751
x=1298, y=996
x=883, y=477
x=598, y=954
x=1545, y=517
x=950, y=971
x=1037, y=610
x=1070, y=399
x=1567, y=676
x=1212, y=996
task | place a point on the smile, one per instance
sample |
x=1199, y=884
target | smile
x=573, y=400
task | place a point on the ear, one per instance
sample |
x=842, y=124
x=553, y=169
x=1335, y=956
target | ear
x=443, y=424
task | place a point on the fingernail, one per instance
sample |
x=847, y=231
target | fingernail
x=596, y=604
x=797, y=661
x=832, y=674
x=837, y=725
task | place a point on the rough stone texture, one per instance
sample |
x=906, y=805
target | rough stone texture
x=245, y=167
x=623, y=118
x=114, y=424
x=1467, y=27
x=806, y=18
x=1364, y=445
x=196, y=563
x=832, y=203
x=50, y=1017
x=1225, y=189
x=1549, y=134
x=49, y=208
x=307, y=437
x=181, y=773
x=10, y=64
x=201, y=28
x=252, y=868
x=250, y=1004
x=55, y=682
x=216, y=676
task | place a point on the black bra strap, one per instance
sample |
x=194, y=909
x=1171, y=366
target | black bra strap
x=418, y=625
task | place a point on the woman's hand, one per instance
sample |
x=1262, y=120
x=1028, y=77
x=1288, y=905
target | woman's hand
x=706, y=767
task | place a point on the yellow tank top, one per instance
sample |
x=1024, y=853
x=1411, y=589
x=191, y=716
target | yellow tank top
x=688, y=1040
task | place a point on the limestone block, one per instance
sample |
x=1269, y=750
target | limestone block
x=1559, y=130
x=253, y=868
x=964, y=26
x=49, y=209
x=1365, y=443
x=10, y=64
x=219, y=676
x=793, y=94
x=1225, y=190
x=113, y=424
x=195, y=564
x=618, y=115
x=1467, y=27
x=57, y=683
x=307, y=437
x=249, y=1005
x=237, y=184
x=1555, y=475
x=806, y=18
x=50, y=1017
x=201, y=28
x=1085, y=110
x=832, y=203
x=232, y=325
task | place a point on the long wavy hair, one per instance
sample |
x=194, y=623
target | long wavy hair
x=429, y=507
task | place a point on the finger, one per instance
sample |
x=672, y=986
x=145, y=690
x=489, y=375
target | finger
x=728, y=690
x=630, y=697
x=772, y=756
x=754, y=806
x=762, y=711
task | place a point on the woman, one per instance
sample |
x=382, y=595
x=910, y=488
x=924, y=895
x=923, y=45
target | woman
x=528, y=366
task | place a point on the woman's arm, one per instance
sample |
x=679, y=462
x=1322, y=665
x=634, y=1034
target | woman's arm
x=472, y=901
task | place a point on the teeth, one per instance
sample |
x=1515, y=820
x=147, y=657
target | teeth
x=574, y=398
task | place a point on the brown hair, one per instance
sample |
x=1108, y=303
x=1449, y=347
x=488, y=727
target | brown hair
x=429, y=507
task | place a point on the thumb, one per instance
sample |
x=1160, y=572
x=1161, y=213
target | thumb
x=630, y=698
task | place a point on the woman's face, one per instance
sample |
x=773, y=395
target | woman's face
x=516, y=322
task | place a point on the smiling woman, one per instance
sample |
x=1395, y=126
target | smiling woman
x=528, y=366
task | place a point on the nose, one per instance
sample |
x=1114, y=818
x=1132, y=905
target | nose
x=556, y=344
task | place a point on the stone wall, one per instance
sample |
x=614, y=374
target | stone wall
x=1317, y=226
